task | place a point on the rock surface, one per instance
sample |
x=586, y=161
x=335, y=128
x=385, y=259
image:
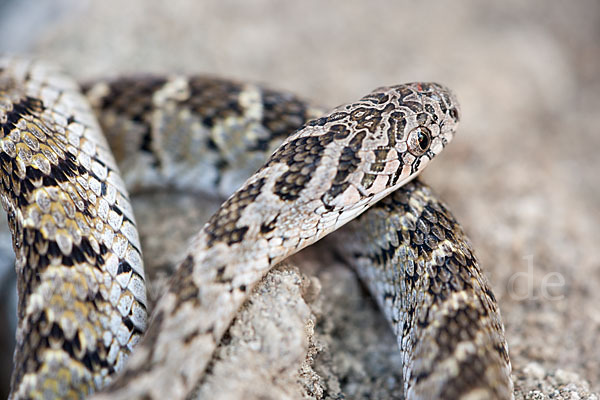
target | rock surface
x=522, y=175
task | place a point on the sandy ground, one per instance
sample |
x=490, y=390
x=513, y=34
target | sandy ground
x=522, y=175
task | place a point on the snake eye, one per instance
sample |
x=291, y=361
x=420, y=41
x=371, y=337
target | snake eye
x=419, y=140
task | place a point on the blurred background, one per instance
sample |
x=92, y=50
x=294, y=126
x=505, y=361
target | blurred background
x=522, y=176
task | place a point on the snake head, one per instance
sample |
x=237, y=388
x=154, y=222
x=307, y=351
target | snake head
x=422, y=123
x=376, y=144
x=360, y=152
x=414, y=122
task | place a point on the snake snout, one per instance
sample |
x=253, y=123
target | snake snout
x=441, y=110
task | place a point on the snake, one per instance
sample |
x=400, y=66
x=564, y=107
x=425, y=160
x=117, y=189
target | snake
x=84, y=327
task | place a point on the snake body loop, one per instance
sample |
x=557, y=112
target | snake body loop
x=444, y=316
x=82, y=297
x=206, y=134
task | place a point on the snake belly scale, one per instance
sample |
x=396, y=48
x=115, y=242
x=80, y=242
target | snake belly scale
x=82, y=305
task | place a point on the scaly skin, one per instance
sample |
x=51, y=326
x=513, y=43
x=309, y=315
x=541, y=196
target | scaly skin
x=325, y=174
x=205, y=134
x=82, y=298
x=420, y=267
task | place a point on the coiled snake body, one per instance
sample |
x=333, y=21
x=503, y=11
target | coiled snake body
x=82, y=305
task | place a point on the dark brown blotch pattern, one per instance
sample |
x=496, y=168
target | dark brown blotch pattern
x=131, y=96
x=302, y=156
x=282, y=115
x=131, y=99
x=214, y=99
x=366, y=118
x=377, y=98
x=396, y=130
x=413, y=268
x=348, y=163
x=376, y=167
x=25, y=106
x=183, y=286
x=333, y=117
x=222, y=227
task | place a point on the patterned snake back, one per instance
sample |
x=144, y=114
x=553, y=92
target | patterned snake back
x=82, y=301
x=82, y=297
